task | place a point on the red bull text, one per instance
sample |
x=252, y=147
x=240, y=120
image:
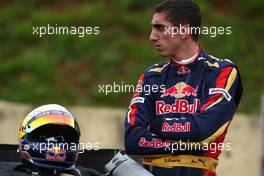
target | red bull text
x=154, y=143
x=180, y=106
x=176, y=127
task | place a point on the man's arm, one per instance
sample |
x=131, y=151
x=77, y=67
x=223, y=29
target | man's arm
x=138, y=139
x=214, y=113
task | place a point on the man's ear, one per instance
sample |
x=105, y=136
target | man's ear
x=185, y=31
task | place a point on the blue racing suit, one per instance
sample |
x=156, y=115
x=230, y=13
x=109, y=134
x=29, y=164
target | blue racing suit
x=179, y=115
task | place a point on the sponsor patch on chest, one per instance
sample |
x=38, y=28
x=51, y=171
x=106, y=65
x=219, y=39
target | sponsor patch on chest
x=179, y=106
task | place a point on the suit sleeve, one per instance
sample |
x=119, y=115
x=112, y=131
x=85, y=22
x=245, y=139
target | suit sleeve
x=138, y=138
x=213, y=115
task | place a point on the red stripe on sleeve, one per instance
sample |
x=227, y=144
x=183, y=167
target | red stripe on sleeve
x=140, y=83
x=220, y=83
x=133, y=115
x=134, y=106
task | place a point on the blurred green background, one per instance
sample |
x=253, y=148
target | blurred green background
x=67, y=69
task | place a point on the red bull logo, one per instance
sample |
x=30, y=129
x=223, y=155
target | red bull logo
x=180, y=90
x=176, y=127
x=180, y=106
x=154, y=143
x=56, y=154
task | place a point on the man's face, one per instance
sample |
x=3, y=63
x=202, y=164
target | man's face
x=163, y=41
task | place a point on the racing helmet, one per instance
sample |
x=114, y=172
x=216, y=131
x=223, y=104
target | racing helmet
x=49, y=138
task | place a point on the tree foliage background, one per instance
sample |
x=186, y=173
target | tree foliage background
x=67, y=69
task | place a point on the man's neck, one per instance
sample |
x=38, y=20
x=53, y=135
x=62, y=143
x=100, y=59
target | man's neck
x=186, y=51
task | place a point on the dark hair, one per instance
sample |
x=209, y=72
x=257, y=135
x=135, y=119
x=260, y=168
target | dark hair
x=181, y=12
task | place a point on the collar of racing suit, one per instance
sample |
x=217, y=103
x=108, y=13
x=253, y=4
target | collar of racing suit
x=186, y=61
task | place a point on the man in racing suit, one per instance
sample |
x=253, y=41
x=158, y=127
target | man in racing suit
x=180, y=125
